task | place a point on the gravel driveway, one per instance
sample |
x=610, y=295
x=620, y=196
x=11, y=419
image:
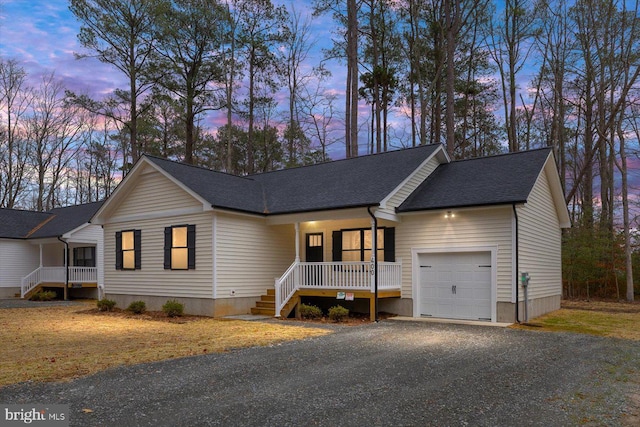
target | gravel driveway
x=387, y=374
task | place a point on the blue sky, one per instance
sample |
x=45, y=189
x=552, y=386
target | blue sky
x=42, y=36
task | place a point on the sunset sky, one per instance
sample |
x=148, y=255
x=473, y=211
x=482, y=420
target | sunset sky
x=42, y=36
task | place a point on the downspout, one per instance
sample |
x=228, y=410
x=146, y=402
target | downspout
x=374, y=251
x=515, y=215
x=66, y=266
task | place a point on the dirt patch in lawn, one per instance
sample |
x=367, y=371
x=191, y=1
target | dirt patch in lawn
x=58, y=343
x=595, y=317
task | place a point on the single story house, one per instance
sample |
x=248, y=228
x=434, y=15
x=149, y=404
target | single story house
x=55, y=249
x=409, y=231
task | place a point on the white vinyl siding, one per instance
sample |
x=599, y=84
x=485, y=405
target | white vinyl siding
x=491, y=227
x=250, y=254
x=152, y=278
x=405, y=191
x=153, y=192
x=17, y=259
x=540, y=242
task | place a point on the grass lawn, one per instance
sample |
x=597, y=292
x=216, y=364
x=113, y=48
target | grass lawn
x=604, y=318
x=59, y=343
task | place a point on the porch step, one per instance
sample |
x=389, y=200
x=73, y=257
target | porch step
x=267, y=304
x=263, y=311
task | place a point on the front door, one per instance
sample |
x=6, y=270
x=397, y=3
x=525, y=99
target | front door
x=314, y=253
x=314, y=247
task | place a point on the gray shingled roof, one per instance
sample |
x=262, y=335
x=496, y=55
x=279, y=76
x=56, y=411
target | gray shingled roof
x=361, y=181
x=66, y=219
x=501, y=179
x=18, y=224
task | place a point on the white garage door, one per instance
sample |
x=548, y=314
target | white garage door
x=455, y=285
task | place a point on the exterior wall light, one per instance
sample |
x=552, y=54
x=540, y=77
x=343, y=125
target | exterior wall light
x=449, y=214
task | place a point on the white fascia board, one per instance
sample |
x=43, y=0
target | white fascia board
x=43, y=241
x=556, y=191
x=442, y=156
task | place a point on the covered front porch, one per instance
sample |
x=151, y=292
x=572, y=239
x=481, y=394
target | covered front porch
x=63, y=265
x=363, y=265
x=339, y=280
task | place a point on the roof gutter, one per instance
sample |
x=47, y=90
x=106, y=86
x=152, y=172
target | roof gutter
x=515, y=216
x=374, y=254
x=66, y=267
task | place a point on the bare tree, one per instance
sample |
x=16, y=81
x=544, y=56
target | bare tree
x=54, y=133
x=297, y=73
x=15, y=99
x=510, y=45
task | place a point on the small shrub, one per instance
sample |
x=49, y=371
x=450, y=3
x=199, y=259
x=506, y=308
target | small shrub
x=310, y=311
x=137, y=307
x=173, y=308
x=43, y=296
x=338, y=313
x=105, y=304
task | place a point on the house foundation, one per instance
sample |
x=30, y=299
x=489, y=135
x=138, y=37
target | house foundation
x=537, y=307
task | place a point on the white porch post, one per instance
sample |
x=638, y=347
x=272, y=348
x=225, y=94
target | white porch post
x=297, y=242
x=374, y=250
x=66, y=267
x=40, y=255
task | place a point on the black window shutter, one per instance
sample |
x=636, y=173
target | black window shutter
x=390, y=244
x=167, y=247
x=137, y=249
x=118, y=250
x=191, y=246
x=337, y=246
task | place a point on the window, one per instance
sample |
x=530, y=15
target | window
x=357, y=244
x=128, y=250
x=180, y=247
x=84, y=257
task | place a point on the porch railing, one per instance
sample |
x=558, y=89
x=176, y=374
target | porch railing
x=57, y=275
x=356, y=276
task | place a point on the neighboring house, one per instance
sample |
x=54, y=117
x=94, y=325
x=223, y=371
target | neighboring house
x=452, y=237
x=56, y=249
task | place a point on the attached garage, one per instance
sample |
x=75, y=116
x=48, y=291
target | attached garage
x=456, y=285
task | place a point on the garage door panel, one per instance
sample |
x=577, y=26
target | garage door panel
x=456, y=285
